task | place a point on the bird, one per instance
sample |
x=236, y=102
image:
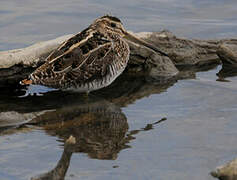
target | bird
x=90, y=60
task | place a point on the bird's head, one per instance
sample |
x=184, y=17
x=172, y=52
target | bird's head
x=113, y=26
x=109, y=24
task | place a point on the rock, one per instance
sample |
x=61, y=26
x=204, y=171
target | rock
x=227, y=52
x=227, y=171
x=146, y=60
x=183, y=51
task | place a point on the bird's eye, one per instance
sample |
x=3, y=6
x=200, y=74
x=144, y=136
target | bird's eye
x=113, y=25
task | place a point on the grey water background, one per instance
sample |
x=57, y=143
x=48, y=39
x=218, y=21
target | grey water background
x=198, y=135
x=25, y=22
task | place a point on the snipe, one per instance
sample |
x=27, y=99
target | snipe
x=90, y=60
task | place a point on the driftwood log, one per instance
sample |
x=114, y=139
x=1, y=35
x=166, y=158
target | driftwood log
x=18, y=64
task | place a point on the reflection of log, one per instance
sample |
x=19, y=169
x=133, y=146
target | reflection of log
x=227, y=171
x=17, y=64
x=129, y=87
x=99, y=128
x=125, y=90
x=13, y=118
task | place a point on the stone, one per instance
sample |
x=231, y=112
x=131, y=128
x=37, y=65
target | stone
x=227, y=171
x=184, y=51
x=227, y=52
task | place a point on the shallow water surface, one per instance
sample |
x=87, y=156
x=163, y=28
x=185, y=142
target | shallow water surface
x=25, y=22
x=130, y=130
x=133, y=129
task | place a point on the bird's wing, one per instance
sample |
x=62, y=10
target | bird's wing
x=70, y=43
x=95, y=66
x=82, y=58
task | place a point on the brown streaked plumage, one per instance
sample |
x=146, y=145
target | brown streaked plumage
x=90, y=60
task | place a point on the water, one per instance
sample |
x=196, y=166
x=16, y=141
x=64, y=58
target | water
x=118, y=133
x=25, y=22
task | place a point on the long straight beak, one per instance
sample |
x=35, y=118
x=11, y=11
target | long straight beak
x=137, y=40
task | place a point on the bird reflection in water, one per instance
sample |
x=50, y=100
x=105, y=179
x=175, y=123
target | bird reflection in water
x=94, y=125
x=99, y=129
x=97, y=123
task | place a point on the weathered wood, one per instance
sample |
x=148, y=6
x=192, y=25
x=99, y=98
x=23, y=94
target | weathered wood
x=31, y=55
x=227, y=171
x=184, y=51
x=227, y=52
x=144, y=59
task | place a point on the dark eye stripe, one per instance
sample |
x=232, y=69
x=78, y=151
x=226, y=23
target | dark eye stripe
x=113, y=25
